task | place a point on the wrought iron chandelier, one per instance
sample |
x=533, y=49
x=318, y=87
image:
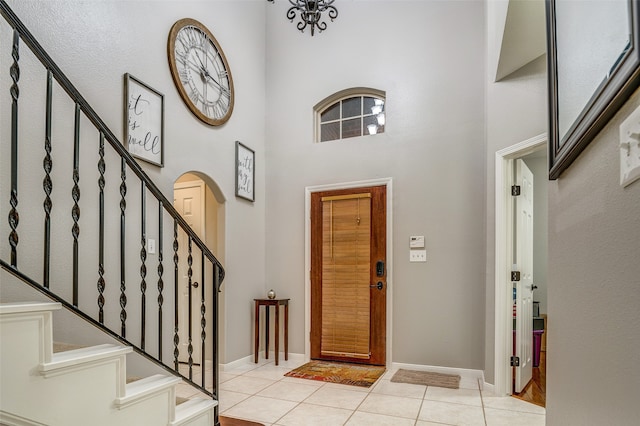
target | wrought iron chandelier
x=311, y=13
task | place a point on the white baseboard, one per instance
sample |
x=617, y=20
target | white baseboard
x=488, y=387
x=242, y=362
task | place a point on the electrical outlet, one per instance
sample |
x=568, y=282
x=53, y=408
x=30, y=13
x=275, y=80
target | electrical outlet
x=417, y=255
x=630, y=148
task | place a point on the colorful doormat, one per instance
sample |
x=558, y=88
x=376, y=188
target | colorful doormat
x=338, y=372
x=427, y=378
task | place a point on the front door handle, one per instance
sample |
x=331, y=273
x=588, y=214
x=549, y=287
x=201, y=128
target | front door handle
x=195, y=284
x=379, y=285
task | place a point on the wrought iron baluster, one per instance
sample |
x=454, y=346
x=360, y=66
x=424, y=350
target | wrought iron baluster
x=101, y=282
x=75, y=194
x=203, y=321
x=143, y=257
x=190, y=345
x=217, y=273
x=160, y=281
x=14, y=217
x=47, y=183
x=176, y=283
x=123, y=285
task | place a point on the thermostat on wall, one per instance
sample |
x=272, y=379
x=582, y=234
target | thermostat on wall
x=416, y=241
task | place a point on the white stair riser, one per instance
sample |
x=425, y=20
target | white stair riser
x=78, y=387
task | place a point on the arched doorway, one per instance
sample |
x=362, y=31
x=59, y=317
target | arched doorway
x=201, y=202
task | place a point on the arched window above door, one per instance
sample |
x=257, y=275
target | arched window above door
x=358, y=111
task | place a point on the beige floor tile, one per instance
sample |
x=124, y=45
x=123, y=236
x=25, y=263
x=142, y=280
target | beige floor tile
x=513, y=404
x=184, y=390
x=315, y=415
x=331, y=396
x=316, y=383
x=228, y=399
x=457, y=396
x=469, y=383
x=224, y=376
x=448, y=413
x=391, y=405
x=406, y=390
x=497, y=417
x=360, y=418
x=349, y=387
x=260, y=409
x=288, y=391
x=269, y=371
x=245, y=384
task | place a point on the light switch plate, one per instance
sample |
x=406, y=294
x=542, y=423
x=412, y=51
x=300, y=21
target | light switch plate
x=151, y=246
x=630, y=148
x=417, y=255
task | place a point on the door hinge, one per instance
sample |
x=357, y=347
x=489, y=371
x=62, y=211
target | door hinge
x=515, y=190
x=515, y=361
x=515, y=275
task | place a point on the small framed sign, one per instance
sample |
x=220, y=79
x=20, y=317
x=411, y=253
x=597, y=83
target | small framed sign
x=143, y=121
x=245, y=172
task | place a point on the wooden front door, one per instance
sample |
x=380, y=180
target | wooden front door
x=349, y=275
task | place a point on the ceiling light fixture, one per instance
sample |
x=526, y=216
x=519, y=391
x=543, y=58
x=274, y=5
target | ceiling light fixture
x=311, y=13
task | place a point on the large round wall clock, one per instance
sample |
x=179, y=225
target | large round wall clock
x=200, y=71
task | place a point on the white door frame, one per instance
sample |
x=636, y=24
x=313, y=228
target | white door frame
x=307, y=256
x=503, y=258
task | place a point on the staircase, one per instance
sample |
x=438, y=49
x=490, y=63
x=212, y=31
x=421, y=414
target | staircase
x=78, y=234
x=80, y=386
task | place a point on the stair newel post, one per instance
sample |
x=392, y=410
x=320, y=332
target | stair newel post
x=101, y=282
x=176, y=281
x=160, y=281
x=143, y=257
x=203, y=320
x=47, y=183
x=75, y=210
x=190, y=313
x=123, y=285
x=14, y=218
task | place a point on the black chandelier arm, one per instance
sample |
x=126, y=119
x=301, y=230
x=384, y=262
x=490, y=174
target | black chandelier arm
x=311, y=13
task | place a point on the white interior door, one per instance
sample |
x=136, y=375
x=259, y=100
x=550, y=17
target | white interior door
x=188, y=200
x=524, y=264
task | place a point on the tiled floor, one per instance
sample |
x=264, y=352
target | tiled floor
x=260, y=392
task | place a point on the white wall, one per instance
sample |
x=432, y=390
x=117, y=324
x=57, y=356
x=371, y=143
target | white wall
x=95, y=43
x=428, y=57
x=594, y=292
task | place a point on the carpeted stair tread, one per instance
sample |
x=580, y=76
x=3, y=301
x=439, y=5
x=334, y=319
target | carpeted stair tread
x=63, y=347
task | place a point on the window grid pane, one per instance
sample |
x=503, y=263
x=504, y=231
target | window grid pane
x=351, y=117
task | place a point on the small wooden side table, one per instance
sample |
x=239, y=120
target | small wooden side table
x=267, y=303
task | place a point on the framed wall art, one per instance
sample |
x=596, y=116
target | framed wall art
x=143, y=121
x=245, y=172
x=593, y=58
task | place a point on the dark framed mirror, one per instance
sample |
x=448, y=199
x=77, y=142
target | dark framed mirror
x=593, y=59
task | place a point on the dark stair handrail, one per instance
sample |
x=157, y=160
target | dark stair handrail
x=21, y=33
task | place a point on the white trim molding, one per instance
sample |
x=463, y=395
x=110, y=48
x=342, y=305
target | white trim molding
x=503, y=257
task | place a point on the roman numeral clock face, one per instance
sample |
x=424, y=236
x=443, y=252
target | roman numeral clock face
x=200, y=71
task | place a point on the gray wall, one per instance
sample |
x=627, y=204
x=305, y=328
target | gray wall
x=432, y=148
x=594, y=292
x=95, y=43
x=515, y=111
